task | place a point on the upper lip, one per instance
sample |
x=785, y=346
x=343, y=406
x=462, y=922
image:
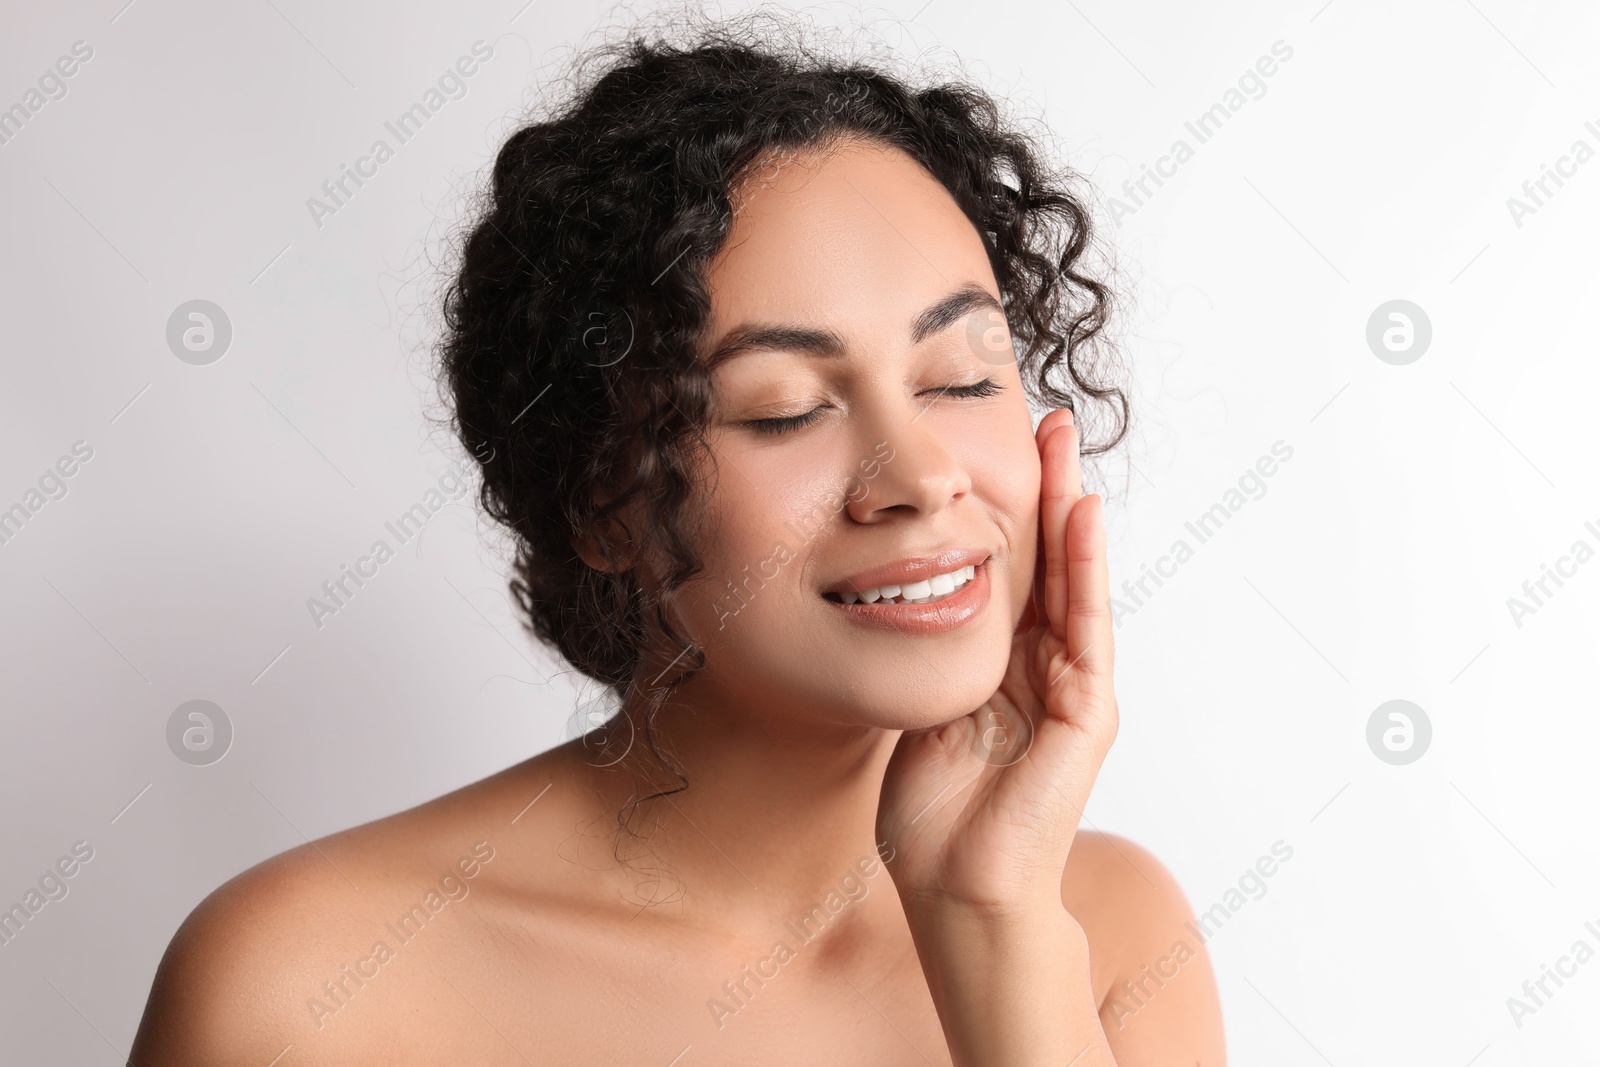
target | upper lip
x=911, y=569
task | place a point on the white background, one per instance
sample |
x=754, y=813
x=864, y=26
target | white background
x=1377, y=565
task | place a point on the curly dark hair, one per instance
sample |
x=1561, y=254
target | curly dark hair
x=573, y=326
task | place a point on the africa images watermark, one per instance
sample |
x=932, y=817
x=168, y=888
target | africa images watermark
x=1537, y=191
x=52, y=86
x=1538, y=591
x=738, y=596
x=1134, y=996
x=852, y=888
x=1203, y=128
x=452, y=85
x=342, y=588
x=52, y=886
x=52, y=486
x=1203, y=528
x=1566, y=967
x=452, y=886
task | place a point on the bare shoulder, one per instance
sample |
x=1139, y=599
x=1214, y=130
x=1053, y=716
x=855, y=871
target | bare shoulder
x=222, y=993
x=1151, y=973
x=280, y=955
x=1120, y=892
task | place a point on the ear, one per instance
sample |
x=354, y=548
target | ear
x=588, y=550
x=609, y=547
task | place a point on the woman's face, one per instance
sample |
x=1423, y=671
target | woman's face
x=870, y=433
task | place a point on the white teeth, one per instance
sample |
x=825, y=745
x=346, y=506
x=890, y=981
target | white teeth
x=940, y=585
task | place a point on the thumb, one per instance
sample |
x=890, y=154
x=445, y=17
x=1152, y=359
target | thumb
x=1031, y=616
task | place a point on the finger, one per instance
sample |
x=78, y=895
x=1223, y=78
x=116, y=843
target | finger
x=1088, y=612
x=1050, y=423
x=1061, y=486
x=1036, y=613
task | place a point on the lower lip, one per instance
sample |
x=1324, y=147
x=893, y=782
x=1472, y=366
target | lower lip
x=936, y=617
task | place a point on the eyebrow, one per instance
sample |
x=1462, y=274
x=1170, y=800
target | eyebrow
x=811, y=341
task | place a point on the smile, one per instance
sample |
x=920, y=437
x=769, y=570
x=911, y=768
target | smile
x=920, y=596
x=927, y=591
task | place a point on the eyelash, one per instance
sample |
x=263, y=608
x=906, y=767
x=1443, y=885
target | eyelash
x=788, y=423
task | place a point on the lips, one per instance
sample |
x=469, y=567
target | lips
x=943, y=604
x=919, y=592
x=911, y=569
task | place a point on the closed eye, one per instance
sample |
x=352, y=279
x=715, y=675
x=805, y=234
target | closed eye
x=789, y=423
x=986, y=387
x=786, y=423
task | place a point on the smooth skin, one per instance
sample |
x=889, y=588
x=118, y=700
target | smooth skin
x=997, y=932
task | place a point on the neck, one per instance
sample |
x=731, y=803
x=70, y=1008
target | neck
x=771, y=816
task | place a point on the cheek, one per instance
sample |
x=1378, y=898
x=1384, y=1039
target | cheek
x=772, y=495
x=1003, y=461
x=1006, y=476
x=1014, y=481
x=765, y=506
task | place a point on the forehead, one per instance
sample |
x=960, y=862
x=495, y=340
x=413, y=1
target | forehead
x=857, y=238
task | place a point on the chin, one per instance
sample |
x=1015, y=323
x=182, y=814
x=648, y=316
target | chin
x=902, y=683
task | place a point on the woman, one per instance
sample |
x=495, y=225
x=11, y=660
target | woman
x=744, y=342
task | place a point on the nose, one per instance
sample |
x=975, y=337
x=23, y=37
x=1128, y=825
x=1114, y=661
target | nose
x=921, y=477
